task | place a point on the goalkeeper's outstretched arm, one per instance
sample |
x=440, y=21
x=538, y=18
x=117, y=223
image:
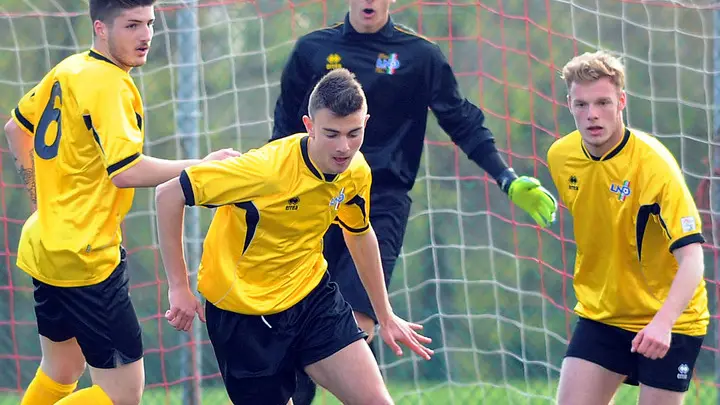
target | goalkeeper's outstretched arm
x=465, y=124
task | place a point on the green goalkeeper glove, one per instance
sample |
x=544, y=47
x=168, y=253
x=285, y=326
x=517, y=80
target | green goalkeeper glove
x=528, y=194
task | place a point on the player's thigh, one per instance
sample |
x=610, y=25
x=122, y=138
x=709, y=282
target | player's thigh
x=352, y=375
x=673, y=373
x=586, y=383
x=123, y=384
x=254, y=359
x=62, y=359
x=103, y=320
x=597, y=353
x=331, y=345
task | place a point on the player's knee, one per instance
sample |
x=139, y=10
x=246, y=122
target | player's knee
x=123, y=385
x=125, y=394
x=129, y=397
x=382, y=398
x=67, y=371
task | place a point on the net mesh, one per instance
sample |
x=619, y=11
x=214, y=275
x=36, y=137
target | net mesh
x=494, y=291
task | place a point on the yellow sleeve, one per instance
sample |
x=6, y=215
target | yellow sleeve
x=678, y=212
x=25, y=113
x=553, y=168
x=229, y=181
x=116, y=125
x=354, y=214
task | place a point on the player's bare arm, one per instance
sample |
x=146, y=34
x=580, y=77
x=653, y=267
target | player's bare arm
x=183, y=304
x=150, y=171
x=366, y=255
x=654, y=340
x=21, y=147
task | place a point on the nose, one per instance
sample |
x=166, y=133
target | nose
x=147, y=33
x=592, y=112
x=343, y=144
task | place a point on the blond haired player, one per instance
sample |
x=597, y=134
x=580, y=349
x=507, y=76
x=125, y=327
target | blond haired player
x=642, y=303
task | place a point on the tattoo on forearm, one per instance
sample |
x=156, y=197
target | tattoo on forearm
x=28, y=175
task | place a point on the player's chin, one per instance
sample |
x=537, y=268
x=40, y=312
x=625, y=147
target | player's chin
x=139, y=61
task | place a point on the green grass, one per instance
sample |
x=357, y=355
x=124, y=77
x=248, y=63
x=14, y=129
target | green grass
x=516, y=393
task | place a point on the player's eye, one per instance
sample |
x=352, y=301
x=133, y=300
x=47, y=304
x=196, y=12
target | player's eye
x=132, y=26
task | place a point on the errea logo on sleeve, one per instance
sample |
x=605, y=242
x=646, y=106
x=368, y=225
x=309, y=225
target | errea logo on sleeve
x=688, y=224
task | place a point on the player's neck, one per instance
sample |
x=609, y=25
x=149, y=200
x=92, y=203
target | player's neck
x=612, y=142
x=363, y=29
x=313, y=154
x=103, y=50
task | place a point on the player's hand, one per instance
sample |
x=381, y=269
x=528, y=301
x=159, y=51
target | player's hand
x=398, y=330
x=183, y=307
x=221, y=154
x=653, y=341
x=528, y=194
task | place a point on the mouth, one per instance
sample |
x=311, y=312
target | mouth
x=142, y=50
x=595, y=129
x=368, y=12
x=339, y=160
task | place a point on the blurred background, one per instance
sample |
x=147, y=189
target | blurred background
x=492, y=290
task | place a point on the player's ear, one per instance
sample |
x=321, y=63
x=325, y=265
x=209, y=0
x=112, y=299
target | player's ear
x=100, y=29
x=569, y=102
x=622, y=100
x=308, y=125
x=367, y=117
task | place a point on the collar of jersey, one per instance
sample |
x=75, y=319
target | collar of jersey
x=613, y=152
x=310, y=165
x=97, y=55
x=386, y=30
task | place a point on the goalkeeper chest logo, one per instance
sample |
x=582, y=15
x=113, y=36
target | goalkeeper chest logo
x=333, y=62
x=387, y=64
x=337, y=200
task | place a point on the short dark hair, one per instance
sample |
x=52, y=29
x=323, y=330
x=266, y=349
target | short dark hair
x=107, y=10
x=338, y=91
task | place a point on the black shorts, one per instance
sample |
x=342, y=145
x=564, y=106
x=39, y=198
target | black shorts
x=389, y=213
x=609, y=347
x=259, y=356
x=101, y=317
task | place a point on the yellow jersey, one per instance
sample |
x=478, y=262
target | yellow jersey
x=86, y=117
x=631, y=208
x=263, y=251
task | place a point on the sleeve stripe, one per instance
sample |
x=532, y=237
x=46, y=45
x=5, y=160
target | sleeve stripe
x=119, y=165
x=353, y=230
x=24, y=121
x=360, y=202
x=687, y=240
x=187, y=189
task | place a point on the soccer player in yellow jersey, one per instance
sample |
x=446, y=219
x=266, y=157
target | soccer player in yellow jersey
x=642, y=302
x=77, y=138
x=271, y=309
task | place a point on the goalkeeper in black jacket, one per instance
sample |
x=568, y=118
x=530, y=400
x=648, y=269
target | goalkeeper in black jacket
x=402, y=74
